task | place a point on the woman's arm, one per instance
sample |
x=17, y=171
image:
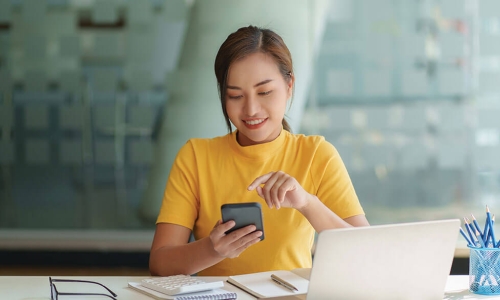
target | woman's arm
x=172, y=254
x=282, y=190
x=321, y=217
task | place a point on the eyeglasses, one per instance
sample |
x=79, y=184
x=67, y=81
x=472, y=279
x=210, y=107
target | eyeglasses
x=54, y=294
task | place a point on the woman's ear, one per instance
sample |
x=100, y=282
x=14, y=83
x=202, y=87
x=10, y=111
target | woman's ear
x=290, y=84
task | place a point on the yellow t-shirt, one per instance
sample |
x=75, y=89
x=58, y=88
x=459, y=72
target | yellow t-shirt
x=210, y=172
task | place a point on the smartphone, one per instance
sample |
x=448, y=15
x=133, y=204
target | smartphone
x=243, y=214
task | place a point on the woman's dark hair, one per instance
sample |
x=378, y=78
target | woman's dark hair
x=246, y=41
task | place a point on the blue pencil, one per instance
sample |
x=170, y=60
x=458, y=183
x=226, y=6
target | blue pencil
x=469, y=243
x=477, y=225
x=469, y=231
x=486, y=233
x=480, y=239
x=490, y=222
x=487, y=227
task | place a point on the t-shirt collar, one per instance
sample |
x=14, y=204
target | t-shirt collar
x=259, y=151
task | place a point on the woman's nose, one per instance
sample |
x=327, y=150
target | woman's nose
x=252, y=106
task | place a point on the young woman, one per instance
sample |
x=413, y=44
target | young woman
x=300, y=181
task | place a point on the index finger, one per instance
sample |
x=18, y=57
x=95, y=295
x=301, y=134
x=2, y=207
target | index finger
x=260, y=180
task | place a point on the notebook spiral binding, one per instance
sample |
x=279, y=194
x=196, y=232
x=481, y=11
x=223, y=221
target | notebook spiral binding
x=225, y=296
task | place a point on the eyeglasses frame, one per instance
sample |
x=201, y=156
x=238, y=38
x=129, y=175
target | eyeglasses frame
x=57, y=293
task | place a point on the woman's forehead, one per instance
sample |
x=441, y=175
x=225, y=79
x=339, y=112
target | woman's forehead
x=257, y=66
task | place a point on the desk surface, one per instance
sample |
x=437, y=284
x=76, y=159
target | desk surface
x=37, y=288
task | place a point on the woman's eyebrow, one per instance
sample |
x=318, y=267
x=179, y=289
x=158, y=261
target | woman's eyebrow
x=231, y=87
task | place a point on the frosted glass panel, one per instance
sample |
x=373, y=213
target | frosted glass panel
x=5, y=11
x=70, y=152
x=141, y=116
x=412, y=157
x=62, y=23
x=34, y=10
x=35, y=47
x=6, y=116
x=489, y=8
x=139, y=80
x=452, y=118
x=37, y=151
x=140, y=47
x=340, y=118
x=413, y=46
x=141, y=152
x=377, y=83
x=6, y=152
x=454, y=8
x=414, y=83
x=414, y=119
x=69, y=46
x=70, y=81
x=451, y=82
x=376, y=156
x=488, y=118
x=340, y=11
x=5, y=81
x=105, y=80
x=70, y=117
x=176, y=10
x=451, y=154
x=377, y=118
x=490, y=45
x=104, y=11
x=36, y=116
x=339, y=83
x=488, y=82
x=105, y=152
x=486, y=158
x=107, y=45
x=104, y=116
x=35, y=81
x=139, y=12
x=452, y=45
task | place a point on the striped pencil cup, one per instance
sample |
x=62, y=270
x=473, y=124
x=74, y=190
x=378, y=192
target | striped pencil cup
x=484, y=271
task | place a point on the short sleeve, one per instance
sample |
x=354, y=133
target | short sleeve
x=334, y=186
x=180, y=203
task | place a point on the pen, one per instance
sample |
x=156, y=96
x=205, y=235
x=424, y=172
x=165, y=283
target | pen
x=283, y=283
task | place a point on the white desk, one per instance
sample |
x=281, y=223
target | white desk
x=37, y=288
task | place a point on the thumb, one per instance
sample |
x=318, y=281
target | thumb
x=218, y=223
x=259, y=191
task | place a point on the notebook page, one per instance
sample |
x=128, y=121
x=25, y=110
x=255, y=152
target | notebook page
x=211, y=294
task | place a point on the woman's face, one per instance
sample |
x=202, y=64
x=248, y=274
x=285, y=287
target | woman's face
x=256, y=98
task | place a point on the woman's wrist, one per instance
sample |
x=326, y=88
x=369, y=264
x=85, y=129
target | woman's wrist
x=308, y=205
x=209, y=245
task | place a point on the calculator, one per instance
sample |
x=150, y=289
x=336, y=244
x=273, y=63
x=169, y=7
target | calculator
x=179, y=284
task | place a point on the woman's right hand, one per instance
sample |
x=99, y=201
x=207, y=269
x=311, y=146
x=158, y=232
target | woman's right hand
x=231, y=245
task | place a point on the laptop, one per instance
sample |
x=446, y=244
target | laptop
x=396, y=261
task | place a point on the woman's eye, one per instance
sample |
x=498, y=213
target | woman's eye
x=234, y=97
x=265, y=93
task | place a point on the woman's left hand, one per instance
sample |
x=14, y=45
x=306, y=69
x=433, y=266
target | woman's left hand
x=280, y=190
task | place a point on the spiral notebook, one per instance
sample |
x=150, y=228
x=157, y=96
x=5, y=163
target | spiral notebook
x=217, y=294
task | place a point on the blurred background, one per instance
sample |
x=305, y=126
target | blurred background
x=97, y=96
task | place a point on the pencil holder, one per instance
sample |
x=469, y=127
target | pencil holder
x=484, y=271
